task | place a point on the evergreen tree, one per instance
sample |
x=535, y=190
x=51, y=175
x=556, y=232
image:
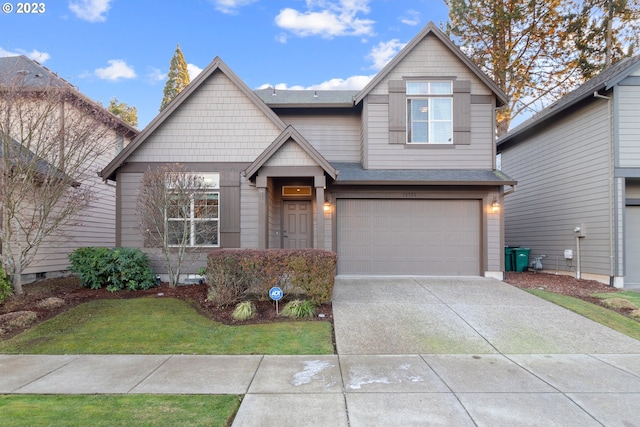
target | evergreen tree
x=604, y=32
x=521, y=45
x=177, y=80
x=122, y=110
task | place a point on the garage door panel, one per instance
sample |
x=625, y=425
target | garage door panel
x=632, y=239
x=426, y=237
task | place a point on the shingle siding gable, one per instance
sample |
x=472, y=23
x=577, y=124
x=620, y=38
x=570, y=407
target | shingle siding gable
x=216, y=123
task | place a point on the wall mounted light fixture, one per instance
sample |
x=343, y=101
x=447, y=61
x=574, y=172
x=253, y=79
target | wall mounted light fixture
x=495, y=206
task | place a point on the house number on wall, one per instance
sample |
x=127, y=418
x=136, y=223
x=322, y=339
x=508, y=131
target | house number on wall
x=409, y=195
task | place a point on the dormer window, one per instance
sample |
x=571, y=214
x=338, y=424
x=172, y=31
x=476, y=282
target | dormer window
x=429, y=112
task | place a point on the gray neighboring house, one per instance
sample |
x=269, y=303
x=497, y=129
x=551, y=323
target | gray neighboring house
x=577, y=163
x=97, y=225
x=398, y=178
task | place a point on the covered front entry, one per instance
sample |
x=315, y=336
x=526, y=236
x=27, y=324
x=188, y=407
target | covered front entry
x=409, y=237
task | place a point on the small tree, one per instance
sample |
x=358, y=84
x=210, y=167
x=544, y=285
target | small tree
x=125, y=112
x=172, y=207
x=177, y=79
x=50, y=143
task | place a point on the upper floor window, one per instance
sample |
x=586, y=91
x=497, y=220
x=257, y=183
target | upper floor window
x=429, y=112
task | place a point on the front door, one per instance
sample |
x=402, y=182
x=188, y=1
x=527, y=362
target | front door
x=297, y=225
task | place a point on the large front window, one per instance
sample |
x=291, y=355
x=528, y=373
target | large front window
x=194, y=220
x=429, y=112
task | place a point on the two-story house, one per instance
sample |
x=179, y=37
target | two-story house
x=577, y=163
x=398, y=178
x=37, y=104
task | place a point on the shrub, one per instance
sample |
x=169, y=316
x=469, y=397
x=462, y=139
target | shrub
x=92, y=265
x=619, y=303
x=5, y=286
x=232, y=274
x=244, y=310
x=117, y=269
x=298, y=309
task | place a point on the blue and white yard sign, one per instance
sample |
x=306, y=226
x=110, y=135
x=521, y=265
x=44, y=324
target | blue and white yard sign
x=275, y=293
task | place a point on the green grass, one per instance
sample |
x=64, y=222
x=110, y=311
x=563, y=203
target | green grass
x=632, y=297
x=163, y=326
x=594, y=312
x=117, y=410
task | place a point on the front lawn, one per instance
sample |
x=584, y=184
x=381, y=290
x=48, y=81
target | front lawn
x=594, y=312
x=117, y=410
x=163, y=326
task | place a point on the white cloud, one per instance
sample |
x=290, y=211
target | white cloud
x=327, y=19
x=117, y=69
x=156, y=75
x=36, y=55
x=350, y=83
x=230, y=6
x=90, y=10
x=193, y=71
x=411, y=17
x=384, y=52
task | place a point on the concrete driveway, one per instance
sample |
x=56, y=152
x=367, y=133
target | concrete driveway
x=448, y=315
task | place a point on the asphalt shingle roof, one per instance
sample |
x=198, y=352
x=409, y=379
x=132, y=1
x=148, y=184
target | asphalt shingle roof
x=354, y=173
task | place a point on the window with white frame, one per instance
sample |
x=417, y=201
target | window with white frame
x=429, y=112
x=193, y=217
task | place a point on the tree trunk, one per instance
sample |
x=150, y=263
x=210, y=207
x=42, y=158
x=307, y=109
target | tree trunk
x=16, y=279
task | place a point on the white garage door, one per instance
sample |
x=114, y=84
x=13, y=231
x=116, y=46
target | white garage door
x=409, y=237
x=632, y=239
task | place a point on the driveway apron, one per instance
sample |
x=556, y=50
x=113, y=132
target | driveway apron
x=470, y=315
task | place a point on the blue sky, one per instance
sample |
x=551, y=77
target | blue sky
x=122, y=48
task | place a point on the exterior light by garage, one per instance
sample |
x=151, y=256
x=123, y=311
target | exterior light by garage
x=495, y=206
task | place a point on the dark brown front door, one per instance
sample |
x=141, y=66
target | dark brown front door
x=297, y=224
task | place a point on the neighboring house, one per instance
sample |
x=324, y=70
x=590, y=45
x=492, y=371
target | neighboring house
x=577, y=163
x=398, y=178
x=96, y=224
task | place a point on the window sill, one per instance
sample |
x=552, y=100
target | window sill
x=429, y=146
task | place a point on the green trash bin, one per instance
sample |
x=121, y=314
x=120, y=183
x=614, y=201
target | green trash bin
x=521, y=259
x=509, y=255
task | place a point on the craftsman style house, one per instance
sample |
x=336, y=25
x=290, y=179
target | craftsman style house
x=398, y=178
x=36, y=105
x=577, y=163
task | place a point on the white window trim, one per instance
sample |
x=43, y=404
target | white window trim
x=193, y=221
x=429, y=97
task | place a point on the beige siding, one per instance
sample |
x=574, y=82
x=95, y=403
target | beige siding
x=477, y=155
x=494, y=236
x=95, y=226
x=431, y=58
x=216, y=123
x=629, y=125
x=335, y=136
x=249, y=220
x=291, y=154
x=129, y=184
x=563, y=175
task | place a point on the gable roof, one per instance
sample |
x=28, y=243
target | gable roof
x=604, y=81
x=216, y=65
x=431, y=28
x=290, y=133
x=22, y=72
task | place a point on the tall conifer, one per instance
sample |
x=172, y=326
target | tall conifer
x=178, y=78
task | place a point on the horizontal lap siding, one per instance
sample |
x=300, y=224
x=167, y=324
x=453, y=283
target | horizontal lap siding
x=477, y=155
x=335, y=136
x=629, y=125
x=563, y=180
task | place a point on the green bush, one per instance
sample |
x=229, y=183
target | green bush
x=244, y=310
x=117, y=269
x=298, y=309
x=232, y=274
x=5, y=286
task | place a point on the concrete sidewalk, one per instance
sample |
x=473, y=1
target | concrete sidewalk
x=411, y=351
